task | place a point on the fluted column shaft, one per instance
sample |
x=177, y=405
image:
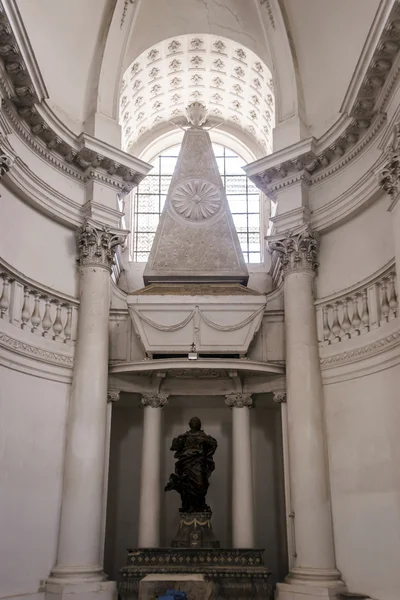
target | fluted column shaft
x=80, y=535
x=310, y=489
x=150, y=486
x=242, y=479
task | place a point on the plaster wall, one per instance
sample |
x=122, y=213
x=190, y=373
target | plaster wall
x=356, y=249
x=33, y=415
x=69, y=88
x=318, y=24
x=363, y=423
x=124, y=475
x=37, y=246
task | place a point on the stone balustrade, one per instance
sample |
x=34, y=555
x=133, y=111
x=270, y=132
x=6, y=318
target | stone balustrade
x=36, y=308
x=359, y=309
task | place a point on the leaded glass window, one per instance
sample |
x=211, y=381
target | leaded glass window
x=242, y=195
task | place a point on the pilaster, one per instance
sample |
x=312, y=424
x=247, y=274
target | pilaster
x=150, y=476
x=242, y=480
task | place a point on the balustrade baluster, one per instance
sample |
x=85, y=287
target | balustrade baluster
x=36, y=318
x=336, y=328
x=385, y=309
x=364, y=310
x=355, y=319
x=57, y=325
x=393, y=303
x=346, y=325
x=5, y=296
x=46, y=323
x=68, y=325
x=326, y=330
x=26, y=309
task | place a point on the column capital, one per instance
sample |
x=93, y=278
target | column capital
x=389, y=176
x=298, y=251
x=6, y=162
x=239, y=400
x=97, y=243
x=113, y=395
x=156, y=400
x=279, y=397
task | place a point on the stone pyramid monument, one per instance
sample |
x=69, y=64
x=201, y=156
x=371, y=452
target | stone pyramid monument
x=196, y=240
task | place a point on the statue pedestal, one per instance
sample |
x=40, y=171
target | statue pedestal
x=195, y=531
x=239, y=574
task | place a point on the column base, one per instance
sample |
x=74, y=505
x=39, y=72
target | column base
x=304, y=591
x=102, y=590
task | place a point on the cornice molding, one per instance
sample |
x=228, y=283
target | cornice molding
x=83, y=156
x=350, y=356
x=21, y=347
x=381, y=354
x=363, y=117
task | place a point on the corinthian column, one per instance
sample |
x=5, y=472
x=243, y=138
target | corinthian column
x=242, y=479
x=79, y=559
x=310, y=490
x=150, y=483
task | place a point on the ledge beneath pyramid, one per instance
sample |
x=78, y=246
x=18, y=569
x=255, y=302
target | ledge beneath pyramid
x=215, y=322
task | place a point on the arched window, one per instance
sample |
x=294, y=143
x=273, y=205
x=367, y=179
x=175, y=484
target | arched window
x=149, y=198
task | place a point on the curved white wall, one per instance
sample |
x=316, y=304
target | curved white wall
x=356, y=249
x=33, y=415
x=363, y=424
x=39, y=247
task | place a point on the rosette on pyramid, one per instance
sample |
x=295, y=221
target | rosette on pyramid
x=196, y=240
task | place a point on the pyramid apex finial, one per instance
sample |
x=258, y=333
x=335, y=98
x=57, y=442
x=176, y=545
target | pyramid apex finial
x=196, y=114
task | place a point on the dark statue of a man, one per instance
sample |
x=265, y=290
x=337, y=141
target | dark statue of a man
x=194, y=452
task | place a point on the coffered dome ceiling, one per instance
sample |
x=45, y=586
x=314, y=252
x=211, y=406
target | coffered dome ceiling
x=234, y=84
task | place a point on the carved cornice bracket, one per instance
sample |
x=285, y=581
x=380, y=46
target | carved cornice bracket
x=23, y=94
x=97, y=244
x=157, y=400
x=298, y=252
x=362, y=116
x=239, y=400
